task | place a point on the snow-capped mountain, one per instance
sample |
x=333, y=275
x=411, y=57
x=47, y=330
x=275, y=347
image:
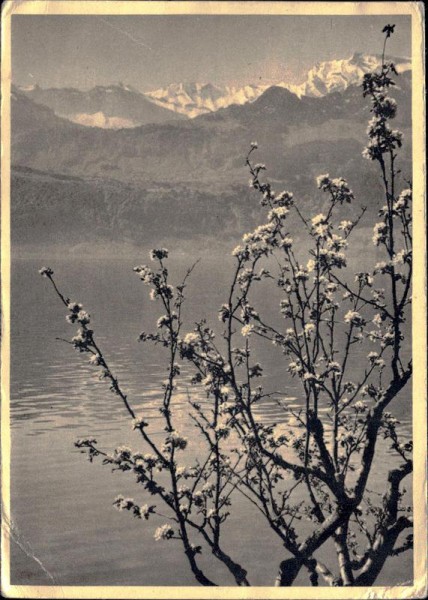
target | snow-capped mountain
x=122, y=106
x=188, y=173
x=336, y=75
x=109, y=107
x=194, y=99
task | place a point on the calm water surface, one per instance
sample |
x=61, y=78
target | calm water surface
x=65, y=529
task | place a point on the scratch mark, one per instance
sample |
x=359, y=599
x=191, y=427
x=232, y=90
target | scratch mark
x=25, y=546
x=126, y=33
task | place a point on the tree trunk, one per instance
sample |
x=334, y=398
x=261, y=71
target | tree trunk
x=288, y=571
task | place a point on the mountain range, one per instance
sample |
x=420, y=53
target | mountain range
x=122, y=106
x=110, y=107
x=323, y=78
x=186, y=179
x=207, y=148
x=194, y=99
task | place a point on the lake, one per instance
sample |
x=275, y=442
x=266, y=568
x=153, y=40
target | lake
x=66, y=531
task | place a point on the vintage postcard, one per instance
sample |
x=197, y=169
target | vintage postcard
x=213, y=374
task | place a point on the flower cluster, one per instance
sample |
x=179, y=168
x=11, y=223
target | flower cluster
x=278, y=213
x=145, y=273
x=77, y=313
x=222, y=429
x=82, y=340
x=261, y=241
x=165, y=532
x=224, y=313
x=158, y=254
x=139, y=422
x=284, y=199
x=403, y=201
x=160, y=288
x=383, y=267
x=332, y=258
x=353, y=317
x=364, y=279
x=247, y=330
x=88, y=445
x=382, y=138
x=140, y=512
x=345, y=226
x=165, y=291
x=166, y=320
x=375, y=359
x=320, y=226
x=338, y=188
x=46, y=272
x=175, y=440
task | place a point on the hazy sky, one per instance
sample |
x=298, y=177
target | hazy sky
x=153, y=51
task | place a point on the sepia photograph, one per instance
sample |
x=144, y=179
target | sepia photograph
x=213, y=321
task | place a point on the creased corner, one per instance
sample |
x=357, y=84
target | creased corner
x=12, y=532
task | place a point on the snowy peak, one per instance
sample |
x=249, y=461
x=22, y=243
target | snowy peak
x=194, y=99
x=119, y=106
x=115, y=106
x=336, y=75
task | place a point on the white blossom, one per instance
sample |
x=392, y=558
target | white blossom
x=46, y=272
x=380, y=232
x=345, y=226
x=286, y=243
x=191, y=338
x=176, y=440
x=334, y=367
x=295, y=368
x=310, y=266
x=377, y=320
x=95, y=359
x=301, y=275
x=336, y=242
x=355, y=318
x=247, y=330
x=225, y=390
x=318, y=219
x=278, y=213
x=309, y=328
x=165, y=532
x=323, y=181
x=139, y=422
x=360, y=406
